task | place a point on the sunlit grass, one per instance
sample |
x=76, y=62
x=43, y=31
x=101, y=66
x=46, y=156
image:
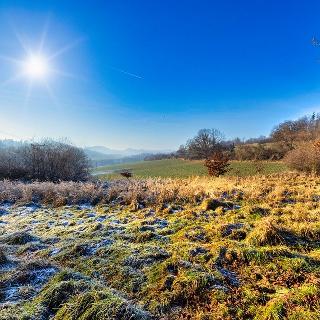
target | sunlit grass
x=177, y=168
x=195, y=248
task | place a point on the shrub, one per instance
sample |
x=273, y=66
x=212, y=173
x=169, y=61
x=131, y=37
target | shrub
x=305, y=157
x=217, y=165
x=48, y=161
x=260, y=151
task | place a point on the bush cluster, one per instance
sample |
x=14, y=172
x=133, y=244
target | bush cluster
x=47, y=161
x=305, y=157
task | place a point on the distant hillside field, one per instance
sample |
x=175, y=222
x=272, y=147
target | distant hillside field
x=177, y=168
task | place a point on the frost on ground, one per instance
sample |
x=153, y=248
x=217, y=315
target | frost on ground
x=242, y=251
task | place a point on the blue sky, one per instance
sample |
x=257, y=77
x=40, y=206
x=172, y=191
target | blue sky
x=150, y=74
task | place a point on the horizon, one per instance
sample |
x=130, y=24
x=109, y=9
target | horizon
x=149, y=75
x=95, y=148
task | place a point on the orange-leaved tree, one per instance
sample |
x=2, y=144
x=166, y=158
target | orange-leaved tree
x=217, y=164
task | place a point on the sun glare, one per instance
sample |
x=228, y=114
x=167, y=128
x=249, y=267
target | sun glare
x=36, y=67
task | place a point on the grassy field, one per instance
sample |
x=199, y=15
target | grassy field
x=177, y=168
x=201, y=248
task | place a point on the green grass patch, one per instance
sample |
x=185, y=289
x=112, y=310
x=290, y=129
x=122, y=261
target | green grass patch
x=177, y=168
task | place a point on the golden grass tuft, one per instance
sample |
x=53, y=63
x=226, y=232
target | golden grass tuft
x=268, y=232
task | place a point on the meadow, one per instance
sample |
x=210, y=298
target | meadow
x=160, y=248
x=178, y=168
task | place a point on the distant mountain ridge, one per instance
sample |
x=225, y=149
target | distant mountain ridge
x=125, y=152
x=101, y=156
x=95, y=155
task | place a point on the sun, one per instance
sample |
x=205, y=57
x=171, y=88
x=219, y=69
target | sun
x=36, y=67
x=38, y=64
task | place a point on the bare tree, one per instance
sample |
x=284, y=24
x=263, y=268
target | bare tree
x=204, y=144
x=304, y=129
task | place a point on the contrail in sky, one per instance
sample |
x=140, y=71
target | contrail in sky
x=126, y=72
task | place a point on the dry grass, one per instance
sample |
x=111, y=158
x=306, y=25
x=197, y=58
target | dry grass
x=200, y=248
x=276, y=188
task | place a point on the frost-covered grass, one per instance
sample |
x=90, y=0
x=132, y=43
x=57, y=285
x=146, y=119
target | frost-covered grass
x=225, y=248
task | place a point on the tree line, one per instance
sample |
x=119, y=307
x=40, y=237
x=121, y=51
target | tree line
x=284, y=138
